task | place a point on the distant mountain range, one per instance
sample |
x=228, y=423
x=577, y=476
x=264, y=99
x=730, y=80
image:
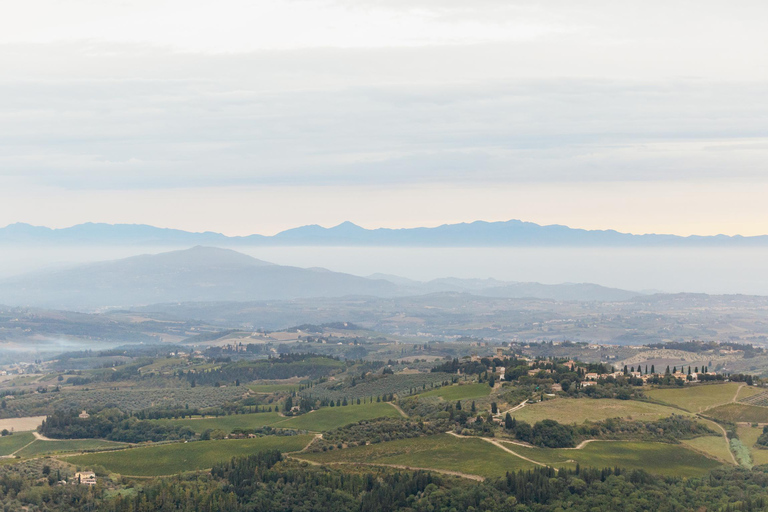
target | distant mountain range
x=513, y=233
x=207, y=274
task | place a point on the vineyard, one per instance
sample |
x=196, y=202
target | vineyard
x=760, y=399
x=398, y=384
x=127, y=400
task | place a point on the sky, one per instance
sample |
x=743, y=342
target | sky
x=252, y=117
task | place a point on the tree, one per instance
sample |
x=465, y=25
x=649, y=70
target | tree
x=473, y=408
x=508, y=422
x=494, y=408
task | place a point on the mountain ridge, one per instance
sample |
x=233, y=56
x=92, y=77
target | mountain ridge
x=512, y=233
x=216, y=274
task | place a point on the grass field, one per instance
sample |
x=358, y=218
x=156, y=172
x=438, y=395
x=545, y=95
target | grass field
x=471, y=456
x=229, y=423
x=329, y=418
x=714, y=446
x=9, y=444
x=569, y=410
x=171, y=459
x=748, y=437
x=696, y=398
x=69, y=445
x=739, y=413
x=460, y=391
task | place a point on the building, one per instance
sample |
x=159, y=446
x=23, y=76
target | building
x=85, y=478
x=84, y=415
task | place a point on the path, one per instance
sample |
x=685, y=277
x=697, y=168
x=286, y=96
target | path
x=317, y=436
x=41, y=437
x=402, y=412
x=515, y=408
x=498, y=445
x=727, y=442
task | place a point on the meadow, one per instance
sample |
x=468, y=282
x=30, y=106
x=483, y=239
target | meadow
x=460, y=391
x=570, y=410
x=171, y=459
x=696, y=398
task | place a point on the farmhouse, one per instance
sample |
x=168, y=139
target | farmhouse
x=85, y=478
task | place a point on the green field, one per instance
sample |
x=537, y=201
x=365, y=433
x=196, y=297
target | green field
x=478, y=457
x=658, y=458
x=471, y=456
x=696, y=398
x=272, y=388
x=69, y=445
x=171, y=459
x=714, y=446
x=329, y=418
x=737, y=413
x=9, y=444
x=748, y=437
x=570, y=410
x=229, y=423
x=460, y=391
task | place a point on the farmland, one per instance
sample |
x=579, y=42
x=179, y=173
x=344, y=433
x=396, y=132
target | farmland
x=738, y=413
x=748, y=436
x=758, y=398
x=460, y=391
x=272, y=388
x=328, y=418
x=230, y=422
x=170, y=459
x=479, y=457
x=579, y=410
x=714, y=446
x=472, y=456
x=400, y=384
x=697, y=398
x=9, y=444
x=40, y=447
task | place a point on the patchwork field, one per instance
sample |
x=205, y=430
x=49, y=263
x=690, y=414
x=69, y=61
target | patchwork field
x=329, y=418
x=737, y=413
x=171, y=459
x=696, y=398
x=446, y=452
x=569, y=410
x=460, y=391
x=70, y=445
x=9, y=444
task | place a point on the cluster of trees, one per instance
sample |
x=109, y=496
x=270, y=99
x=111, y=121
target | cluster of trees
x=111, y=424
x=551, y=434
x=377, y=431
x=283, y=367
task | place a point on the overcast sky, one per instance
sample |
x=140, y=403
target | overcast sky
x=244, y=116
